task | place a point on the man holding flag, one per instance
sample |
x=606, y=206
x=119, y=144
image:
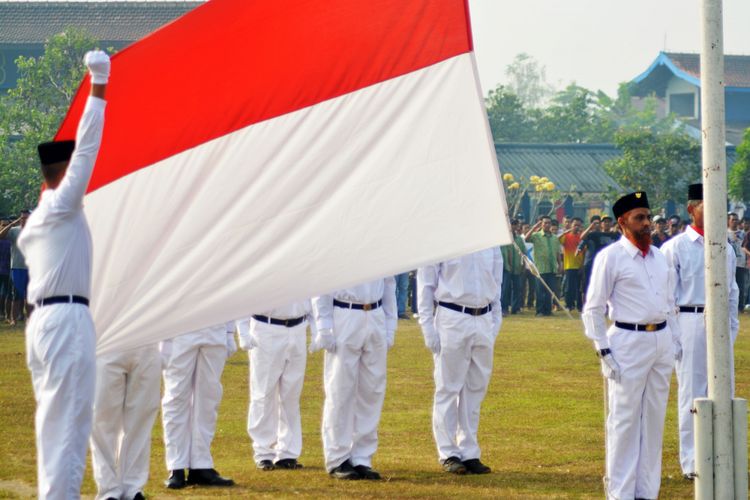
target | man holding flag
x=60, y=337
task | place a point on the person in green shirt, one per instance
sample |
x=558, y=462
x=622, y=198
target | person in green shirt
x=512, y=290
x=547, y=257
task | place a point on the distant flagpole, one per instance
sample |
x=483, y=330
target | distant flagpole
x=715, y=203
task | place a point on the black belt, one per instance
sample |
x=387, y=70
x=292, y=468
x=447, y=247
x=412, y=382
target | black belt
x=281, y=322
x=691, y=309
x=473, y=311
x=63, y=299
x=358, y=307
x=651, y=327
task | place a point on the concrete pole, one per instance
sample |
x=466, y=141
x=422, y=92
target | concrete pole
x=715, y=203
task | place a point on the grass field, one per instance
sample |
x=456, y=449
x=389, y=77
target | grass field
x=541, y=428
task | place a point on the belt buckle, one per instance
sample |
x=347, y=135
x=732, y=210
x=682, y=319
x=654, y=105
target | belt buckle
x=476, y=311
x=366, y=307
x=651, y=327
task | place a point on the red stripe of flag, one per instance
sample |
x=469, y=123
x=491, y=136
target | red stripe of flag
x=230, y=63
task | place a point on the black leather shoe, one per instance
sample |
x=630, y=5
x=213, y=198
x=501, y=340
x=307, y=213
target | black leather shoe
x=690, y=476
x=454, y=465
x=264, y=465
x=366, y=472
x=176, y=480
x=474, y=466
x=344, y=471
x=207, y=477
x=288, y=463
x=139, y=496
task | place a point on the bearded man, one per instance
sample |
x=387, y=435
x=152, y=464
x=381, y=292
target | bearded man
x=633, y=281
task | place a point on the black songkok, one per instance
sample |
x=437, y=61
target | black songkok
x=629, y=202
x=55, y=151
x=695, y=192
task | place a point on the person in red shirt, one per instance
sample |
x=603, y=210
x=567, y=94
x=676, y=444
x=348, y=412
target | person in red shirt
x=572, y=264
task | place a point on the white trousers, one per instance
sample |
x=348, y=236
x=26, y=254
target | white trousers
x=692, y=381
x=127, y=399
x=462, y=373
x=192, y=393
x=637, y=407
x=60, y=350
x=277, y=371
x=354, y=380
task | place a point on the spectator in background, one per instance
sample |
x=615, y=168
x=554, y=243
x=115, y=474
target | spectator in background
x=402, y=294
x=547, y=258
x=746, y=254
x=413, y=294
x=572, y=264
x=674, y=225
x=19, y=273
x=659, y=236
x=5, y=292
x=736, y=237
x=598, y=235
x=513, y=269
x=555, y=227
x=529, y=281
x=567, y=222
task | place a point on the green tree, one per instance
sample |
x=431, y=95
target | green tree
x=31, y=112
x=509, y=119
x=528, y=80
x=739, y=177
x=661, y=164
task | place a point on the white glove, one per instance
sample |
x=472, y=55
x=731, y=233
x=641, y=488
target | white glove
x=323, y=339
x=165, y=352
x=247, y=342
x=610, y=368
x=433, y=343
x=231, y=344
x=677, y=351
x=98, y=65
x=390, y=338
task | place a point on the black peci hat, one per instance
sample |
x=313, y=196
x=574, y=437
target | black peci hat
x=695, y=192
x=55, y=151
x=629, y=202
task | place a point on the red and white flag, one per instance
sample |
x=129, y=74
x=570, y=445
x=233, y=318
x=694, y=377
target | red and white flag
x=255, y=153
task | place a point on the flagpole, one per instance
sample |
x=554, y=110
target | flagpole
x=715, y=203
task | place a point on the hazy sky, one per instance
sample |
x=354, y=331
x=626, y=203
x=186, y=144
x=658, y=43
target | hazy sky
x=596, y=43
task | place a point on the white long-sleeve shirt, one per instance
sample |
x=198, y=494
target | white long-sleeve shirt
x=56, y=240
x=638, y=289
x=685, y=253
x=367, y=293
x=473, y=280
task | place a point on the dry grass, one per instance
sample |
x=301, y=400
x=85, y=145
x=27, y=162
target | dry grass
x=541, y=426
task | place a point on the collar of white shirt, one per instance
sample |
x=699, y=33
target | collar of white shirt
x=693, y=234
x=633, y=250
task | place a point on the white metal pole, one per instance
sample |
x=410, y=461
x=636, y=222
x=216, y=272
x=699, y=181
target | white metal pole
x=739, y=417
x=704, y=455
x=715, y=203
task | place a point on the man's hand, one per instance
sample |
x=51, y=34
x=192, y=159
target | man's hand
x=610, y=368
x=231, y=344
x=390, y=338
x=433, y=343
x=98, y=65
x=247, y=342
x=324, y=339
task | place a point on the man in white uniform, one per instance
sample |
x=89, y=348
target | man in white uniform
x=684, y=253
x=127, y=399
x=632, y=279
x=356, y=326
x=60, y=337
x=461, y=334
x=193, y=364
x=276, y=340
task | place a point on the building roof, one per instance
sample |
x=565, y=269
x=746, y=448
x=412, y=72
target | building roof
x=35, y=22
x=687, y=67
x=572, y=167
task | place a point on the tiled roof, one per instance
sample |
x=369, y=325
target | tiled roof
x=35, y=22
x=736, y=68
x=568, y=165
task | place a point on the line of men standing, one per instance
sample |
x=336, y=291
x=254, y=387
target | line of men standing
x=111, y=400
